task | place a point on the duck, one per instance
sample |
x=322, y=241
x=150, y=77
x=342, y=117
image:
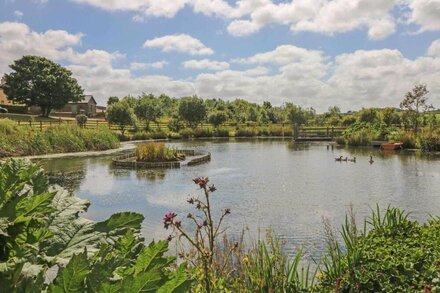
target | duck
x=353, y=160
x=371, y=160
x=339, y=159
x=345, y=160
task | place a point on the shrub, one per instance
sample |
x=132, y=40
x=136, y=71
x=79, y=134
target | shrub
x=429, y=142
x=141, y=135
x=408, y=138
x=221, y=132
x=246, y=132
x=159, y=134
x=81, y=120
x=186, y=133
x=202, y=132
x=391, y=254
x=16, y=109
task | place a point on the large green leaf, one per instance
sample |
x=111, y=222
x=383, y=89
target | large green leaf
x=178, y=283
x=118, y=221
x=149, y=281
x=151, y=256
x=71, y=279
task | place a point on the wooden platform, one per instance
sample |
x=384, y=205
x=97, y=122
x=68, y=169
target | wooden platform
x=323, y=138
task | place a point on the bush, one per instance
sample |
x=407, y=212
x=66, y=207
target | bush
x=81, y=120
x=159, y=134
x=202, y=132
x=16, y=109
x=429, y=142
x=221, y=132
x=391, y=254
x=186, y=133
x=246, y=132
x=408, y=138
x=141, y=135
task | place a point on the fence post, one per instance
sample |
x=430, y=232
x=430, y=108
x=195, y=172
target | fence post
x=19, y=122
x=30, y=123
x=97, y=124
x=333, y=132
x=41, y=125
x=327, y=132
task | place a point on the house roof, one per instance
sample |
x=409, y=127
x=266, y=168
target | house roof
x=87, y=99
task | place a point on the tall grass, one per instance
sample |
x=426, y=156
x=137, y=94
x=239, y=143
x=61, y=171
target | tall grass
x=155, y=152
x=24, y=140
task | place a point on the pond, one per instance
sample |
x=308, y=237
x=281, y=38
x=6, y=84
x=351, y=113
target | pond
x=267, y=183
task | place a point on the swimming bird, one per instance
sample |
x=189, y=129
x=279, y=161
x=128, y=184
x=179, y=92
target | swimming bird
x=353, y=160
x=371, y=160
x=339, y=159
x=345, y=160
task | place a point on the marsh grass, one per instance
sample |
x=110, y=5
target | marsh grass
x=156, y=152
x=24, y=140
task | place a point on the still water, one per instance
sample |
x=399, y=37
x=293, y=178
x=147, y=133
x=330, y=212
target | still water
x=267, y=183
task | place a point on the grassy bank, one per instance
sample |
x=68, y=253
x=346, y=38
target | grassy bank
x=23, y=140
x=363, y=133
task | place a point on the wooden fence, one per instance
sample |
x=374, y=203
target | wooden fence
x=299, y=133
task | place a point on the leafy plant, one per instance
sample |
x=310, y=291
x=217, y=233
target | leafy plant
x=41, y=231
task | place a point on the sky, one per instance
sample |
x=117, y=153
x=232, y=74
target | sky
x=314, y=53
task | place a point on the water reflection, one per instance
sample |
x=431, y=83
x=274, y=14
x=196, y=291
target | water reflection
x=267, y=183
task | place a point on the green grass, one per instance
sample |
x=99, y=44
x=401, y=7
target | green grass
x=24, y=140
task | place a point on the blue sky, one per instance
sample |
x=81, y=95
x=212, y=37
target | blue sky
x=352, y=53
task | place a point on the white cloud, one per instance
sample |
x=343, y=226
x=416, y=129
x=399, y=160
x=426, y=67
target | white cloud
x=142, y=66
x=18, y=14
x=434, y=49
x=426, y=14
x=156, y=8
x=205, y=64
x=362, y=78
x=179, y=43
x=322, y=16
x=16, y=40
x=284, y=54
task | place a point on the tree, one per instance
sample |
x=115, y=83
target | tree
x=148, y=109
x=390, y=116
x=217, y=118
x=414, y=103
x=37, y=81
x=368, y=115
x=192, y=110
x=295, y=114
x=112, y=100
x=122, y=114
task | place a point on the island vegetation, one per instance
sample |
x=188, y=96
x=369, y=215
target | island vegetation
x=41, y=234
x=157, y=152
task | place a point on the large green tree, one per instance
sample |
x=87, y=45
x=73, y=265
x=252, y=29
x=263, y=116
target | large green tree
x=192, y=110
x=122, y=114
x=38, y=81
x=148, y=109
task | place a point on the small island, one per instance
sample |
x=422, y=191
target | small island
x=157, y=155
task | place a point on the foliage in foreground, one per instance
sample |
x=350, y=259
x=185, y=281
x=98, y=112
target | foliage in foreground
x=24, y=140
x=46, y=246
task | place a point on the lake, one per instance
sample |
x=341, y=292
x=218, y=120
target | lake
x=267, y=183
